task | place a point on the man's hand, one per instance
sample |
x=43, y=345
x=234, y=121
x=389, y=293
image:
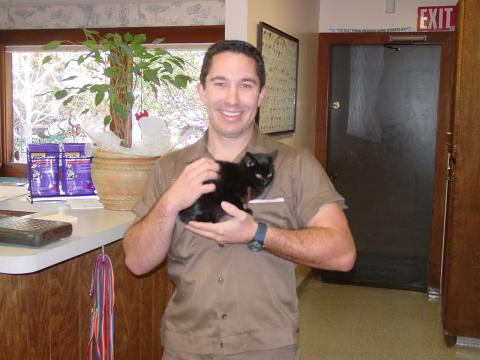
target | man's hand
x=239, y=229
x=190, y=185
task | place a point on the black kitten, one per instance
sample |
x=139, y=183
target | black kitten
x=237, y=184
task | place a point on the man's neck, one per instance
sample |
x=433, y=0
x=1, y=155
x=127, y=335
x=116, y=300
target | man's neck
x=227, y=149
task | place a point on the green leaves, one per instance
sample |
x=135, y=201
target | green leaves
x=67, y=100
x=100, y=90
x=99, y=97
x=150, y=75
x=130, y=98
x=123, y=62
x=126, y=49
x=107, y=120
x=157, y=41
x=52, y=45
x=139, y=39
x=46, y=59
x=91, y=44
x=69, y=78
x=168, y=67
x=60, y=94
x=121, y=110
x=111, y=71
x=181, y=81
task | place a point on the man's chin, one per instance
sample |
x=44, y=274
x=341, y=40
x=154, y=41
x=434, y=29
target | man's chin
x=233, y=131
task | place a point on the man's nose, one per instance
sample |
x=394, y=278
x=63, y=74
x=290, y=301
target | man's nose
x=232, y=95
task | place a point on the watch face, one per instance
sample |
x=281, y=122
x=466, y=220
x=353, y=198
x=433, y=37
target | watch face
x=255, y=245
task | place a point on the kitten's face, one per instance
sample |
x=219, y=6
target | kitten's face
x=260, y=169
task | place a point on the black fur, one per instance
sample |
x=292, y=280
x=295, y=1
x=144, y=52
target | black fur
x=254, y=170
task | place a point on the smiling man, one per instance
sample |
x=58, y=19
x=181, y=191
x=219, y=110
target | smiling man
x=231, y=302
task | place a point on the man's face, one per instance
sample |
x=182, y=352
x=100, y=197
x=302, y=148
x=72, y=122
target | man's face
x=231, y=95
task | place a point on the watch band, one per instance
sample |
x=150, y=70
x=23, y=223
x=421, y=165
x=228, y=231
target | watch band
x=257, y=243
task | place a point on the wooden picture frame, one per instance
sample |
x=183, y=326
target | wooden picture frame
x=280, y=52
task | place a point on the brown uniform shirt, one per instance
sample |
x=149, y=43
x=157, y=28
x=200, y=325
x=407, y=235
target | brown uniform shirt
x=229, y=299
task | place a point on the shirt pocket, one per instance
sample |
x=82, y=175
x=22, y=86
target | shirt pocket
x=273, y=211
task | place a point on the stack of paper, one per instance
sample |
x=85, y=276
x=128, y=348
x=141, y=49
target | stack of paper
x=12, y=191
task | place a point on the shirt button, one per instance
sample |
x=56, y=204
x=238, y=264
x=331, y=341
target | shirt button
x=221, y=345
x=220, y=279
x=224, y=316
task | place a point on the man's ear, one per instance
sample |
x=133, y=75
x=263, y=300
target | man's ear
x=201, y=92
x=262, y=95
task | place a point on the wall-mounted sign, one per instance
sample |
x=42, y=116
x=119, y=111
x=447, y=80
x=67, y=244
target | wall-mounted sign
x=436, y=18
x=280, y=52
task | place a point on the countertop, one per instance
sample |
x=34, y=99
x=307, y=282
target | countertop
x=92, y=229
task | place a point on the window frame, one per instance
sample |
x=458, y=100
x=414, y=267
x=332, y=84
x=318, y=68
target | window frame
x=170, y=34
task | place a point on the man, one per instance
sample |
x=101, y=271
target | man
x=231, y=302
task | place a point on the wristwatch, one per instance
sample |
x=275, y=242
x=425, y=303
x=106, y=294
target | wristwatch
x=257, y=243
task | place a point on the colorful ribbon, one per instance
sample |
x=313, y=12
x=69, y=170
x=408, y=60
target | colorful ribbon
x=102, y=314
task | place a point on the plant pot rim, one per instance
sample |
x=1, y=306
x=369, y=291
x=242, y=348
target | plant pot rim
x=115, y=154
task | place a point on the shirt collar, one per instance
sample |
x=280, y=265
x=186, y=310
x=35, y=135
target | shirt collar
x=258, y=143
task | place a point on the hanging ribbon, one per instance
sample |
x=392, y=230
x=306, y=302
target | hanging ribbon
x=102, y=315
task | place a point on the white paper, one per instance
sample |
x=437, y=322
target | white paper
x=266, y=201
x=12, y=191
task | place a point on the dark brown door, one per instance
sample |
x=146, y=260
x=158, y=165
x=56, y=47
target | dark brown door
x=383, y=135
x=461, y=286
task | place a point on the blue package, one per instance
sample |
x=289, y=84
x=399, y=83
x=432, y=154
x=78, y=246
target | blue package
x=76, y=170
x=42, y=168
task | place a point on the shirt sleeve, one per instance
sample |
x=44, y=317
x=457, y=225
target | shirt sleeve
x=312, y=187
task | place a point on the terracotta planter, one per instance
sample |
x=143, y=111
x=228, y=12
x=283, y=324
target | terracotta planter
x=119, y=178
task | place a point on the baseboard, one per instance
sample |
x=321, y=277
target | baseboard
x=381, y=270
x=468, y=342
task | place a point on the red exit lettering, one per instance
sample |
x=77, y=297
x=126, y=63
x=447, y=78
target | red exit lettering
x=436, y=18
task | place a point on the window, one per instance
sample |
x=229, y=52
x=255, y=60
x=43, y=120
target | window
x=36, y=117
x=30, y=115
x=39, y=118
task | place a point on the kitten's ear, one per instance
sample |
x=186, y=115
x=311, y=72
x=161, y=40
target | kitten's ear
x=249, y=160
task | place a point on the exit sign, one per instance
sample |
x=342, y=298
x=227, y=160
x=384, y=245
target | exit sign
x=436, y=18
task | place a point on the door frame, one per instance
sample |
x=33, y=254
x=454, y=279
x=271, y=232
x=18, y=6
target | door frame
x=444, y=120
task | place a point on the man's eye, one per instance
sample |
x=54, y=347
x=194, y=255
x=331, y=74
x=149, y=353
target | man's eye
x=219, y=84
x=247, y=86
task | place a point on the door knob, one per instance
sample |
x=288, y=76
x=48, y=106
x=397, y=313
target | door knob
x=336, y=105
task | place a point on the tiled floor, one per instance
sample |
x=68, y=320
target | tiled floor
x=346, y=322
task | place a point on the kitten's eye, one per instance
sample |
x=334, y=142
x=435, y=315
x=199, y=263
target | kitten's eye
x=259, y=176
x=269, y=175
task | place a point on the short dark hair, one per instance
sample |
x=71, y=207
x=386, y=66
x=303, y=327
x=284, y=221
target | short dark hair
x=235, y=46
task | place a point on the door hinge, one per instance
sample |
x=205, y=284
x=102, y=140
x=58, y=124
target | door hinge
x=451, y=163
x=450, y=174
x=448, y=138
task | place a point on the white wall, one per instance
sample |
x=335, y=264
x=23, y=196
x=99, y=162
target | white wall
x=298, y=21
x=236, y=24
x=370, y=14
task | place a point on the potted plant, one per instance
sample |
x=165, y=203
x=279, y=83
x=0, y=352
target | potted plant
x=123, y=64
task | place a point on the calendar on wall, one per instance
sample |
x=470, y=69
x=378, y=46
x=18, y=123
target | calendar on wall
x=280, y=53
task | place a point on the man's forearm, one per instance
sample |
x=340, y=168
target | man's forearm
x=146, y=243
x=323, y=248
